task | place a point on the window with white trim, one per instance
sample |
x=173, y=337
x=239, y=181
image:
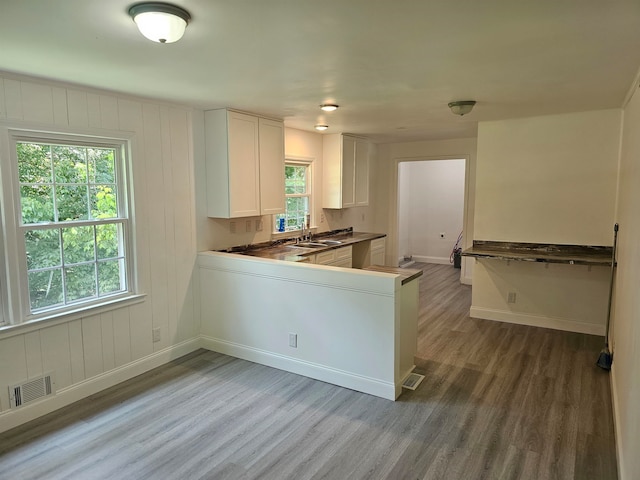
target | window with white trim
x=71, y=223
x=297, y=186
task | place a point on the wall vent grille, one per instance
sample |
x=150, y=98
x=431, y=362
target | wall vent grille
x=31, y=390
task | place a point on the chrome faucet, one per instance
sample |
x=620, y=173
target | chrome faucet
x=305, y=236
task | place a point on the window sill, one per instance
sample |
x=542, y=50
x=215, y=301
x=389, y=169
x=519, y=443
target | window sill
x=53, y=319
x=290, y=234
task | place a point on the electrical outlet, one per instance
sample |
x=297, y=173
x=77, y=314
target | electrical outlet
x=247, y=226
x=293, y=340
x=322, y=217
x=363, y=217
x=156, y=334
x=259, y=225
x=232, y=227
x=442, y=235
x=511, y=297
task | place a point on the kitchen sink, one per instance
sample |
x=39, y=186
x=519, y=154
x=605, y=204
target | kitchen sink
x=317, y=244
x=309, y=245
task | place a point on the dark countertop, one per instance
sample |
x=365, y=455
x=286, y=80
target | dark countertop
x=288, y=251
x=407, y=274
x=541, y=252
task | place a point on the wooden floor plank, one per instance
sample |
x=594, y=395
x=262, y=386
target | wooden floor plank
x=499, y=401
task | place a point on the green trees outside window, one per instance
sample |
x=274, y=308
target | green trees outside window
x=298, y=196
x=71, y=221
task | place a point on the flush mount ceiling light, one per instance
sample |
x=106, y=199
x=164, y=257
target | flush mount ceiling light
x=462, y=107
x=321, y=128
x=160, y=22
x=328, y=107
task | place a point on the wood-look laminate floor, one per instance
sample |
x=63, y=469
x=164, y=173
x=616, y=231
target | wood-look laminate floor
x=499, y=401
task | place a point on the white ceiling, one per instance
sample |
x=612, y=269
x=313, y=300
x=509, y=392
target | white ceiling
x=392, y=65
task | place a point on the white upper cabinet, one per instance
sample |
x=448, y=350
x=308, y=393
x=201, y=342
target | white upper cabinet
x=245, y=164
x=345, y=171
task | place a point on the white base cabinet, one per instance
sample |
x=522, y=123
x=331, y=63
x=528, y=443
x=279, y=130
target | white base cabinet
x=338, y=257
x=369, y=253
x=245, y=164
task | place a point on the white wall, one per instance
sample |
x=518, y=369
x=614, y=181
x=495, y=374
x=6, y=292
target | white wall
x=215, y=233
x=625, y=334
x=88, y=353
x=386, y=207
x=548, y=180
x=430, y=202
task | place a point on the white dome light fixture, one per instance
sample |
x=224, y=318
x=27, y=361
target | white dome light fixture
x=160, y=22
x=321, y=128
x=462, y=107
x=328, y=107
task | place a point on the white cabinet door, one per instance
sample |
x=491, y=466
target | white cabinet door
x=377, y=257
x=362, y=173
x=244, y=166
x=345, y=176
x=378, y=251
x=348, y=172
x=271, y=166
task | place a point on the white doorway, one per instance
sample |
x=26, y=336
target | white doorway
x=431, y=202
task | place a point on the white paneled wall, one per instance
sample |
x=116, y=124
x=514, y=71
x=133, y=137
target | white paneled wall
x=80, y=349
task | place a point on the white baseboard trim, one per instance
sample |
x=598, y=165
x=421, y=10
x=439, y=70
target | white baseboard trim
x=466, y=280
x=438, y=260
x=372, y=386
x=536, y=320
x=13, y=417
x=616, y=422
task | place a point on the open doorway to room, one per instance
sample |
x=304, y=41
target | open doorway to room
x=430, y=210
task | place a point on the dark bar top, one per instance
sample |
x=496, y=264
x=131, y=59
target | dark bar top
x=541, y=252
x=407, y=274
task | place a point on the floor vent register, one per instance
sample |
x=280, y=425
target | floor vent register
x=31, y=390
x=412, y=381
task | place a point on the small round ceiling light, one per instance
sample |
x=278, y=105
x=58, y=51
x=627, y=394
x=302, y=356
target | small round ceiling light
x=160, y=22
x=328, y=107
x=321, y=128
x=462, y=107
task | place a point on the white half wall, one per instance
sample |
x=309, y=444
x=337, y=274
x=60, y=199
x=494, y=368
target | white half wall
x=430, y=202
x=347, y=321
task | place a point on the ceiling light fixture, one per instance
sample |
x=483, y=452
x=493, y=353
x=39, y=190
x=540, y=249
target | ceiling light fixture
x=321, y=128
x=160, y=22
x=328, y=107
x=462, y=107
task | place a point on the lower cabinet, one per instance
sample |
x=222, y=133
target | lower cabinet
x=358, y=255
x=378, y=251
x=338, y=257
x=369, y=253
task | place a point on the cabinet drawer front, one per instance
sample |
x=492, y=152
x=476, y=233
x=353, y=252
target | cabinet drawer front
x=377, y=244
x=326, y=257
x=344, y=252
